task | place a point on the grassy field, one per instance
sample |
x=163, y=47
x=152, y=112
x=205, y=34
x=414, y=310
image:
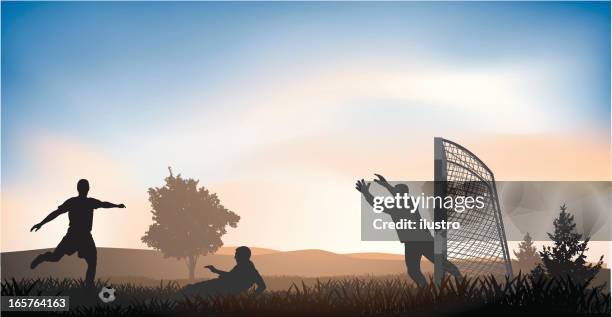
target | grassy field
x=348, y=296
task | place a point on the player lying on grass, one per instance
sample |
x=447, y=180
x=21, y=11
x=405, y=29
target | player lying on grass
x=236, y=281
x=417, y=242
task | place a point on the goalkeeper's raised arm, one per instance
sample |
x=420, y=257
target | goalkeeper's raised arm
x=364, y=189
x=384, y=183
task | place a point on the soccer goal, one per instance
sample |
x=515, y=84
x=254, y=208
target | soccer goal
x=479, y=247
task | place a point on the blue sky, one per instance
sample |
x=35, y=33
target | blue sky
x=207, y=87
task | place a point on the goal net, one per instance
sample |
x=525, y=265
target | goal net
x=479, y=247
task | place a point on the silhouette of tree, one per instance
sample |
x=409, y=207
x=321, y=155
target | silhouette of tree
x=567, y=256
x=527, y=254
x=188, y=221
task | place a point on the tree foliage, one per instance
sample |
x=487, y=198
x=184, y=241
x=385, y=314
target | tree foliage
x=188, y=220
x=527, y=254
x=566, y=258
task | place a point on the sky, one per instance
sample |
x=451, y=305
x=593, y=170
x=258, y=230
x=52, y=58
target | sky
x=280, y=107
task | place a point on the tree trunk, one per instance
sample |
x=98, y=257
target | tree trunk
x=192, y=260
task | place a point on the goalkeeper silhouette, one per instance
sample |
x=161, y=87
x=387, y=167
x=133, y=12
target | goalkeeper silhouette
x=78, y=238
x=417, y=242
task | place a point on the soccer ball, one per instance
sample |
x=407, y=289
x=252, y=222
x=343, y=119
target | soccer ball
x=107, y=294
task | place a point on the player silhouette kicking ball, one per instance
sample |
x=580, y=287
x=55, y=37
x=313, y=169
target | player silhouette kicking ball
x=417, y=242
x=78, y=238
x=236, y=281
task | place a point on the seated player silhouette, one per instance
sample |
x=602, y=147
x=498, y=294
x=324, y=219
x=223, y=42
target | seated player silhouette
x=236, y=281
x=78, y=238
x=417, y=242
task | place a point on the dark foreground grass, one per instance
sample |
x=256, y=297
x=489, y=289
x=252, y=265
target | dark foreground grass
x=345, y=297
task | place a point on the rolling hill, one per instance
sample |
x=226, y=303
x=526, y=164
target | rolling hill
x=114, y=262
x=149, y=266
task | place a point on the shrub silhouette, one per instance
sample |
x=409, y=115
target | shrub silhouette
x=566, y=258
x=527, y=254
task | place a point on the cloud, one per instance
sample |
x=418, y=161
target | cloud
x=430, y=96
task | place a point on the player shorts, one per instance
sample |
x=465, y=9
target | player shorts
x=83, y=243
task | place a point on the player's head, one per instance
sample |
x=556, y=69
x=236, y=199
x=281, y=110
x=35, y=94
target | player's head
x=401, y=189
x=83, y=187
x=243, y=254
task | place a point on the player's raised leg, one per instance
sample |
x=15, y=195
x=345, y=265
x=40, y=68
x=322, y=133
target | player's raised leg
x=55, y=256
x=453, y=270
x=46, y=257
x=448, y=265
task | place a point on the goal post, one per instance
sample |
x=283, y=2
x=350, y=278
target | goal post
x=440, y=214
x=479, y=246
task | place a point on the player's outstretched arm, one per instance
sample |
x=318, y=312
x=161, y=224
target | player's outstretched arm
x=383, y=182
x=106, y=204
x=364, y=189
x=215, y=270
x=49, y=217
x=259, y=282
